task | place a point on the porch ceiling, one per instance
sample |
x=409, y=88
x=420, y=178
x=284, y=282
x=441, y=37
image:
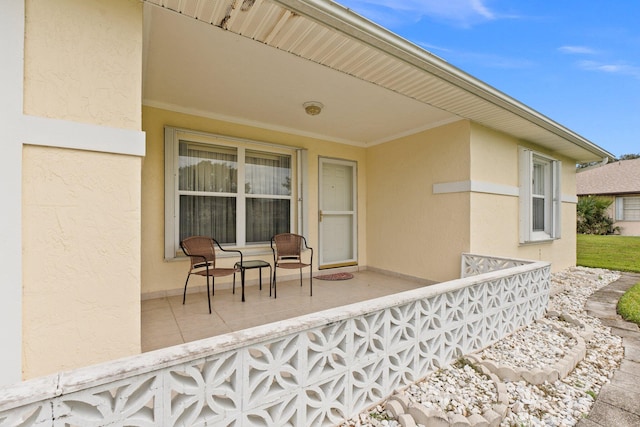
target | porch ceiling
x=257, y=61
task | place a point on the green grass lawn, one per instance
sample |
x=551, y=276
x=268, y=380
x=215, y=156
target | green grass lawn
x=620, y=253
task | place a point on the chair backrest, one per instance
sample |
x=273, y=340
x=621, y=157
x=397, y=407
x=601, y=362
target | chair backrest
x=287, y=246
x=202, y=246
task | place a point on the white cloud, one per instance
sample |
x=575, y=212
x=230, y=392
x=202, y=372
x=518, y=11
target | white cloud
x=618, y=67
x=482, y=10
x=621, y=68
x=577, y=50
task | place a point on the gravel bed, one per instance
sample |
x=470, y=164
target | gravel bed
x=535, y=346
x=458, y=388
x=565, y=402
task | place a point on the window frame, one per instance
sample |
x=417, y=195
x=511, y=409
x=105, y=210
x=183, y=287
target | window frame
x=551, y=196
x=620, y=208
x=174, y=135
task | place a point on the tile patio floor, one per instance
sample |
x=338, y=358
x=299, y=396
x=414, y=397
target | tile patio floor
x=166, y=322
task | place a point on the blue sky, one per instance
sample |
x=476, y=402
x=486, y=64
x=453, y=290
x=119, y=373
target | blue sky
x=576, y=62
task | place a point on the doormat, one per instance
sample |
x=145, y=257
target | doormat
x=335, y=276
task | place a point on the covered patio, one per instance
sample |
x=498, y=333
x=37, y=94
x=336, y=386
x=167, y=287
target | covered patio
x=166, y=321
x=316, y=369
x=432, y=161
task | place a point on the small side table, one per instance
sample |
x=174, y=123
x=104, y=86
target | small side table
x=248, y=265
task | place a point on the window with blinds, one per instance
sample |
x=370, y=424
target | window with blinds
x=539, y=197
x=631, y=208
x=239, y=192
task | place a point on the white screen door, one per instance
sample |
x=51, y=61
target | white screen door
x=337, y=216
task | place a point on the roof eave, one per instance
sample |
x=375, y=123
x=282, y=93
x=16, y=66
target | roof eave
x=346, y=21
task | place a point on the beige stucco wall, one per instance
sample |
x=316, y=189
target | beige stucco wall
x=160, y=276
x=494, y=217
x=628, y=228
x=81, y=209
x=410, y=230
x=83, y=61
x=81, y=253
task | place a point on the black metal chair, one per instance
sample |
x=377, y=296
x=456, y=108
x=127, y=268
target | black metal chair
x=202, y=252
x=287, y=251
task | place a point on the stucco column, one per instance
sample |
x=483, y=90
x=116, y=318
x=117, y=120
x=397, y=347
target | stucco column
x=80, y=176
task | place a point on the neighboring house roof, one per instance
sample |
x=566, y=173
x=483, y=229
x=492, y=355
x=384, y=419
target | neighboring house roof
x=622, y=177
x=376, y=86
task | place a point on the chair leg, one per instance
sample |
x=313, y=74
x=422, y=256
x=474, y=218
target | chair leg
x=184, y=294
x=310, y=281
x=243, y=273
x=300, y=276
x=208, y=294
x=234, y=283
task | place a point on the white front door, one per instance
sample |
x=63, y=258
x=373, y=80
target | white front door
x=338, y=215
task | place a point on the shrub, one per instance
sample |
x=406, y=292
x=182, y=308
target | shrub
x=593, y=217
x=629, y=304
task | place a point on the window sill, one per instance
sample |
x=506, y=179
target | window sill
x=247, y=251
x=540, y=241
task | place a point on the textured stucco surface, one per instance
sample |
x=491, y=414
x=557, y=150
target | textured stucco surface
x=411, y=230
x=84, y=61
x=494, y=217
x=81, y=257
x=81, y=209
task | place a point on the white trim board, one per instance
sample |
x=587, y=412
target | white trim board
x=81, y=136
x=487, y=188
x=11, y=87
x=475, y=187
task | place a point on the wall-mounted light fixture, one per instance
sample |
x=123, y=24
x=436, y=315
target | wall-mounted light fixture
x=313, y=108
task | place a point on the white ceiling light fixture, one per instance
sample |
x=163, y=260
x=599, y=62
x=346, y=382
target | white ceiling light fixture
x=313, y=108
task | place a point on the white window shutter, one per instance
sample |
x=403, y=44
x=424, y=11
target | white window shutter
x=553, y=196
x=619, y=209
x=557, y=199
x=303, y=192
x=526, y=165
x=170, y=186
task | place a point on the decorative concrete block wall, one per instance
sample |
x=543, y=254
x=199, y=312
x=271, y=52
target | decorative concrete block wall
x=318, y=369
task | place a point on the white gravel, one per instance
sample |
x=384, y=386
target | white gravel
x=460, y=389
x=536, y=346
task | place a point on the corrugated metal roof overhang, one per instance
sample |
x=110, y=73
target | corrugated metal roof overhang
x=331, y=35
